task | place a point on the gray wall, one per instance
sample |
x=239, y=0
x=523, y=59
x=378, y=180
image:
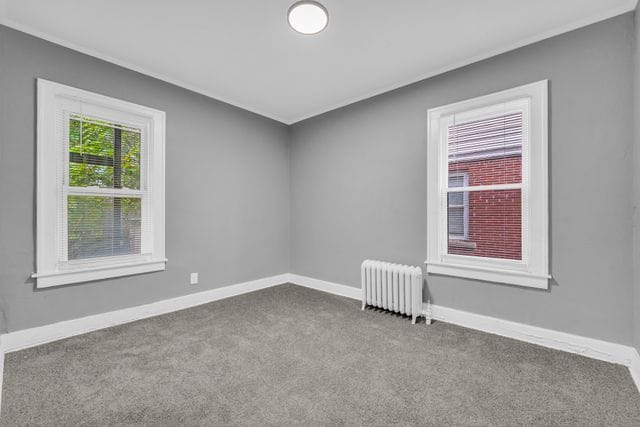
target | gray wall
x=247, y=197
x=227, y=198
x=358, y=183
x=636, y=181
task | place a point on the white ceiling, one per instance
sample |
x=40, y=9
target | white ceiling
x=243, y=52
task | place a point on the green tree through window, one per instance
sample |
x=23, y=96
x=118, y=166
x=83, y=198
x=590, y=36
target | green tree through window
x=106, y=156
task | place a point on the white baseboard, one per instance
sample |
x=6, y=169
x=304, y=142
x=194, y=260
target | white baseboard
x=322, y=285
x=589, y=347
x=634, y=368
x=25, y=338
x=577, y=344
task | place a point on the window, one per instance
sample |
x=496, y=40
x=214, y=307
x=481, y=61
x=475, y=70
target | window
x=458, y=213
x=487, y=188
x=100, y=194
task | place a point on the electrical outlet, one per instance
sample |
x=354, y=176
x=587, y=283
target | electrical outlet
x=194, y=278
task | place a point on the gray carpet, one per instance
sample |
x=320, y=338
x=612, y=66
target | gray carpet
x=289, y=355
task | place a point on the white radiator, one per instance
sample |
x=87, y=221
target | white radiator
x=392, y=287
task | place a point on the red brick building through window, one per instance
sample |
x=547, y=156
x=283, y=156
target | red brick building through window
x=485, y=222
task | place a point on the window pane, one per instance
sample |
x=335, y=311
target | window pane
x=90, y=155
x=456, y=199
x=488, y=150
x=494, y=225
x=103, y=154
x=103, y=226
x=131, y=159
x=456, y=180
x=456, y=222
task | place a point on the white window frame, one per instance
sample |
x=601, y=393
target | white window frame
x=56, y=102
x=533, y=269
x=464, y=206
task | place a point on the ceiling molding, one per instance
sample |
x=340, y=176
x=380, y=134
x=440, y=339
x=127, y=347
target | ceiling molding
x=4, y=20
x=630, y=6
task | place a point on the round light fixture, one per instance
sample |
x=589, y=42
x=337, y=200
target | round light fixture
x=308, y=17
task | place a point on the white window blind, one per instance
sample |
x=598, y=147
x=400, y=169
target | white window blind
x=100, y=187
x=491, y=137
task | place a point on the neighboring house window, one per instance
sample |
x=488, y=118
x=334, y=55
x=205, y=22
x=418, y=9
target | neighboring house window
x=458, y=208
x=100, y=201
x=488, y=188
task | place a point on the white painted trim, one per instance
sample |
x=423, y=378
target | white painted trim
x=634, y=368
x=26, y=338
x=584, y=346
x=468, y=189
x=52, y=267
x=495, y=275
x=324, y=286
x=588, y=347
x=533, y=270
x=58, y=278
x=6, y=21
x=627, y=7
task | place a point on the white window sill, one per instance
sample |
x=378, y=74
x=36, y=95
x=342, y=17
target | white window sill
x=520, y=278
x=86, y=274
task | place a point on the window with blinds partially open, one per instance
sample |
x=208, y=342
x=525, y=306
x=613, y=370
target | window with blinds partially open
x=485, y=211
x=487, y=188
x=100, y=192
x=102, y=219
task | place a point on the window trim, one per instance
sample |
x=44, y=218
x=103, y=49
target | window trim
x=533, y=269
x=54, y=100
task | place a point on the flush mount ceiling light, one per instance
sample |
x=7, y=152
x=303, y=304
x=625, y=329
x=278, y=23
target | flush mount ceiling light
x=308, y=17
